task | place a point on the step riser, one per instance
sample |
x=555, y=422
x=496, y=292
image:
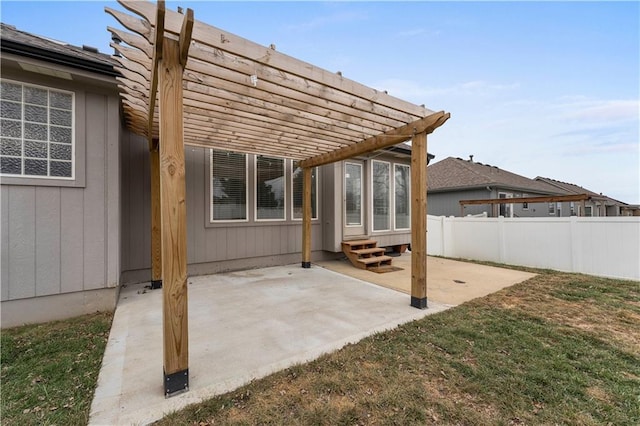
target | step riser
x=365, y=254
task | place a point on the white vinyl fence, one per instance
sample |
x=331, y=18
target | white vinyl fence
x=603, y=246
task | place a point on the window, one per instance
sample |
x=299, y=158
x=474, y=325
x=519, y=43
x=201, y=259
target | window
x=270, y=188
x=525, y=206
x=402, y=196
x=552, y=208
x=228, y=186
x=297, y=184
x=588, y=210
x=505, y=210
x=36, y=131
x=573, y=209
x=381, y=195
x=353, y=194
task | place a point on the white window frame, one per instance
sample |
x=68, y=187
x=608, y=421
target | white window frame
x=525, y=206
x=395, y=225
x=390, y=197
x=317, y=170
x=552, y=209
x=255, y=189
x=246, y=190
x=48, y=158
x=344, y=185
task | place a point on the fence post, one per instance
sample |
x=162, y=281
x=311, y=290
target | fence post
x=576, y=246
x=501, y=243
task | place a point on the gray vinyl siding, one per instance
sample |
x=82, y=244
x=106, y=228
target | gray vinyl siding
x=62, y=239
x=448, y=203
x=207, y=243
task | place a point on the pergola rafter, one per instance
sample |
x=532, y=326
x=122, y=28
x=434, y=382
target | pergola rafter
x=184, y=82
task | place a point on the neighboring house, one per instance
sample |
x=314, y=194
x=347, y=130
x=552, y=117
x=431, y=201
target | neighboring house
x=75, y=192
x=454, y=179
x=597, y=205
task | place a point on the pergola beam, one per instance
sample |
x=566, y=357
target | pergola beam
x=392, y=137
x=157, y=57
x=213, y=37
x=545, y=199
x=306, y=217
x=419, y=221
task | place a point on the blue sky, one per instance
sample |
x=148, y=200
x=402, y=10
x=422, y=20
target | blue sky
x=538, y=88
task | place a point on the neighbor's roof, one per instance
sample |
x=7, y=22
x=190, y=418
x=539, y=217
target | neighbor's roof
x=244, y=97
x=456, y=174
x=13, y=40
x=572, y=188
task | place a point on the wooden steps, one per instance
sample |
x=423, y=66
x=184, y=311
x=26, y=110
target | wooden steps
x=365, y=254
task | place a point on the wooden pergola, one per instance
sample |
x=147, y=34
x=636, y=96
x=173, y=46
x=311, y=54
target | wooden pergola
x=543, y=199
x=188, y=83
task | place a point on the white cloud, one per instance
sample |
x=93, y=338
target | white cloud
x=602, y=110
x=410, y=89
x=328, y=20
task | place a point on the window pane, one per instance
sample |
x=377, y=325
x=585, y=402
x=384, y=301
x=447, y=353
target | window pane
x=381, y=201
x=10, y=91
x=60, y=100
x=10, y=166
x=297, y=182
x=35, y=149
x=35, y=131
x=61, y=168
x=35, y=95
x=10, y=128
x=11, y=110
x=60, y=134
x=60, y=152
x=35, y=167
x=403, y=196
x=31, y=119
x=34, y=113
x=270, y=188
x=353, y=194
x=228, y=186
x=60, y=117
x=11, y=147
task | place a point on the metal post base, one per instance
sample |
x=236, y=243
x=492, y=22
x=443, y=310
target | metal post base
x=156, y=284
x=176, y=383
x=419, y=303
x=306, y=265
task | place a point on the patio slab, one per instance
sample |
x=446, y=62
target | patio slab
x=242, y=326
x=449, y=282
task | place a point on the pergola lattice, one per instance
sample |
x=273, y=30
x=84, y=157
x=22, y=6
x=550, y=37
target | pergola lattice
x=186, y=82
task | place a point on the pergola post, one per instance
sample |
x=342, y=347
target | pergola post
x=306, y=217
x=173, y=218
x=156, y=242
x=419, y=221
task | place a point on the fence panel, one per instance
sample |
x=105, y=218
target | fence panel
x=603, y=246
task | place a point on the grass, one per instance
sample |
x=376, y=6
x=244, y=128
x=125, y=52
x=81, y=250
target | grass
x=50, y=371
x=556, y=349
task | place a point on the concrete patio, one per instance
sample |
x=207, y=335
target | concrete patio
x=246, y=325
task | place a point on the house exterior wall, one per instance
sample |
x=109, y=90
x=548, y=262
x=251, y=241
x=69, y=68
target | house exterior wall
x=448, y=203
x=333, y=198
x=211, y=247
x=60, y=240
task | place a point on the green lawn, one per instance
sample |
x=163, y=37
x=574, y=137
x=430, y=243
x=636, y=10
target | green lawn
x=556, y=349
x=49, y=371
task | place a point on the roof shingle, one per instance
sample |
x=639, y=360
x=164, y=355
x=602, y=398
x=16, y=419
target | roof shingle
x=458, y=174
